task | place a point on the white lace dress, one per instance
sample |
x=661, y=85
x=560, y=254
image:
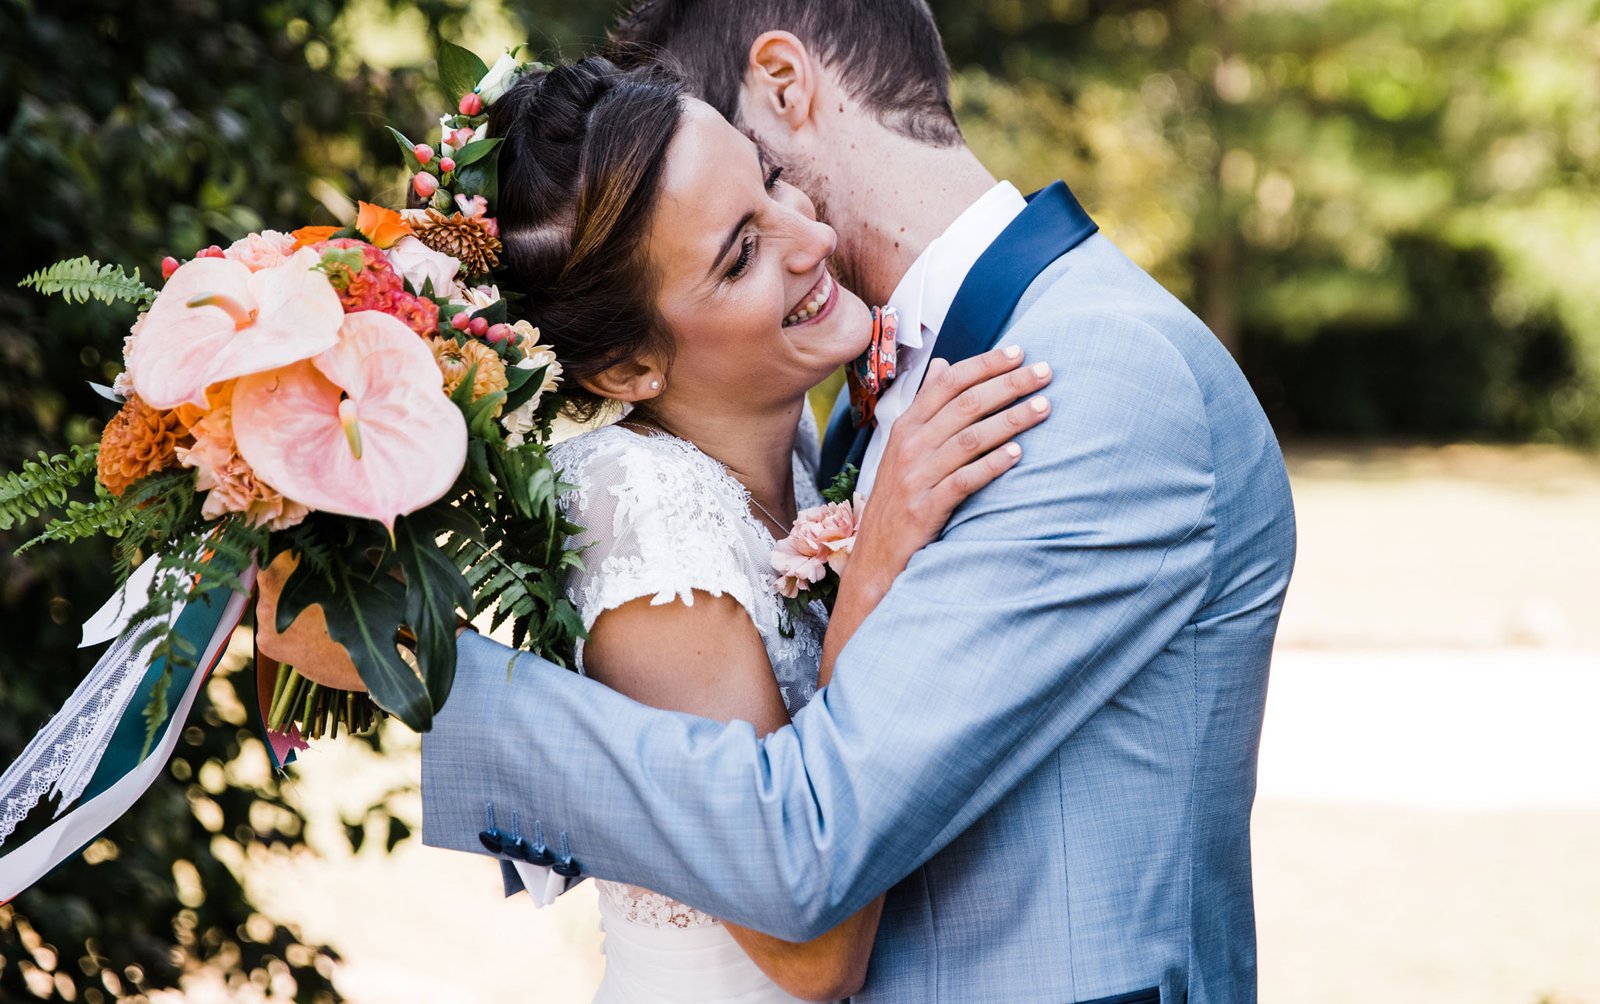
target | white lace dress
x=662, y=520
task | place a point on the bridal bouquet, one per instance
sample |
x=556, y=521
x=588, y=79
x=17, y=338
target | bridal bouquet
x=356, y=402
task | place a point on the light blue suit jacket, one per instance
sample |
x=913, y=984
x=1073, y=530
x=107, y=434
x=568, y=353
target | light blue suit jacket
x=1043, y=742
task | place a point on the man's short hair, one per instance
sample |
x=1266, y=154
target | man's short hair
x=887, y=53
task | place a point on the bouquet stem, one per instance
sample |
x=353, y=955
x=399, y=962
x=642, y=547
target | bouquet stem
x=318, y=711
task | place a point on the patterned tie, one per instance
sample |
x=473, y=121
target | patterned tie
x=870, y=373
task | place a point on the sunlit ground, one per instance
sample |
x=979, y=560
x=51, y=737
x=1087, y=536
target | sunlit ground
x=1430, y=786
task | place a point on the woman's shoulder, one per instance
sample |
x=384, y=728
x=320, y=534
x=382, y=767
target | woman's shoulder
x=656, y=493
x=643, y=465
x=656, y=518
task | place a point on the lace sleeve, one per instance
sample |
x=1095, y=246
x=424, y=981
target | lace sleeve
x=655, y=521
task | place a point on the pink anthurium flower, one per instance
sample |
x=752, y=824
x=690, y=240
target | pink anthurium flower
x=364, y=429
x=216, y=320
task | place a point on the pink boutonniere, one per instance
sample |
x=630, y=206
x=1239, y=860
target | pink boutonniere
x=811, y=559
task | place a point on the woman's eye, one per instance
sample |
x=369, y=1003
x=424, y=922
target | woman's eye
x=747, y=251
x=772, y=178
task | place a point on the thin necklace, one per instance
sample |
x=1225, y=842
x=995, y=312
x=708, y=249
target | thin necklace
x=765, y=511
x=783, y=526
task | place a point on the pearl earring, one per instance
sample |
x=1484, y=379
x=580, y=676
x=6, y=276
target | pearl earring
x=655, y=385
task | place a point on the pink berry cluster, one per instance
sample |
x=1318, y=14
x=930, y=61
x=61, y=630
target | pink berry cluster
x=479, y=327
x=458, y=130
x=170, y=264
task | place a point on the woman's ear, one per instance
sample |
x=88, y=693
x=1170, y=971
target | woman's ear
x=630, y=382
x=780, y=81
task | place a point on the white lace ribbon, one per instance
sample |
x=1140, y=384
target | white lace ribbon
x=63, y=757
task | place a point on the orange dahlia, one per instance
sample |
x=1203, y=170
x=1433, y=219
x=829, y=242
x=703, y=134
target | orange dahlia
x=138, y=442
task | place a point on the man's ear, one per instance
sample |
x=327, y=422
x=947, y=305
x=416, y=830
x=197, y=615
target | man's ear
x=631, y=382
x=781, y=80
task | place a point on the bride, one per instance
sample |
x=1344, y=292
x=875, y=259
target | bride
x=680, y=278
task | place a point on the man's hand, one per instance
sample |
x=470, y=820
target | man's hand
x=306, y=645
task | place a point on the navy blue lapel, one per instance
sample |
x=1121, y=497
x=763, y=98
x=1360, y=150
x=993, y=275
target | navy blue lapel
x=1053, y=224
x=838, y=443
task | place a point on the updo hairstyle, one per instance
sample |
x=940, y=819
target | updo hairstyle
x=584, y=148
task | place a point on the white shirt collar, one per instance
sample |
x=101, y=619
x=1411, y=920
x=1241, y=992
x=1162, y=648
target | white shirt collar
x=928, y=288
x=923, y=299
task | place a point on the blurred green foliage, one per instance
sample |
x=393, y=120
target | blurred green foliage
x=1385, y=207
x=127, y=132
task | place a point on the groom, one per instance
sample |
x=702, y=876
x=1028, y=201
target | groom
x=1043, y=742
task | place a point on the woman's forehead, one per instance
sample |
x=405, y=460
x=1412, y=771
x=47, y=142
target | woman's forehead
x=706, y=186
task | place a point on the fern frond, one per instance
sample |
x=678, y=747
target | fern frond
x=80, y=279
x=108, y=517
x=316, y=551
x=42, y=485
x=162, y=507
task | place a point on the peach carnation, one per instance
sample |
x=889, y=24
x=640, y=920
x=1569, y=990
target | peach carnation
x=455, y=360
x=267, y=249
x=822, y=538
x=227, y=478
x=138, y=442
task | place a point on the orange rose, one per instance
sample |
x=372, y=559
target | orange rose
x=383, y=227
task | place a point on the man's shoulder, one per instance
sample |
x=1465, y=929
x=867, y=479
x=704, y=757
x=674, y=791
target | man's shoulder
x=1095, y=301
x=1095, y=282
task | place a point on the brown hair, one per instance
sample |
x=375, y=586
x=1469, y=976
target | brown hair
x=580, y=172
x=887, y=53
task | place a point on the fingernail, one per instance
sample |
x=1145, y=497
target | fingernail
x=1013, y=351
x=1041, y=370
x=1039, y=405
x=1013, y=450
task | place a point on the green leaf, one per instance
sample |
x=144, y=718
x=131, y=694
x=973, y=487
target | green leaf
x=479, y=475
x=523, y=387
x=407, y=150
x=482, y=178
x=494, y=313
x=843, y=486
x=79, y=279
x=481, y=416
x=459, y=71
x=474, y=152
x=364, y=615
x=435, y=589
x=42, y=485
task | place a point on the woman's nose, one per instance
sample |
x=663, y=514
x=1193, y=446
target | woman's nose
x=811, y=242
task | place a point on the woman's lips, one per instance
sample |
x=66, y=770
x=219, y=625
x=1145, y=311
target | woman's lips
x=816, y=301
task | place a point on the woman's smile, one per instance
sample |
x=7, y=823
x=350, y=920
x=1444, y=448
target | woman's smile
x=818, y=303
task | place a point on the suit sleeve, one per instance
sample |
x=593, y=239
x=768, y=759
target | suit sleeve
x=1049, y=590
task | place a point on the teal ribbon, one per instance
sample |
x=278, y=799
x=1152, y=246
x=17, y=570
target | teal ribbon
x=197, y=624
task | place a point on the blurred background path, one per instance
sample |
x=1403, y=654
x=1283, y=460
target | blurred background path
x=1429, y=805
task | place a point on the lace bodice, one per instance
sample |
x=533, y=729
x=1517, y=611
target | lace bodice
x=664, y=520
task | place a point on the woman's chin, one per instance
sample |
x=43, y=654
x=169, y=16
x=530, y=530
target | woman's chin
x=838, y=338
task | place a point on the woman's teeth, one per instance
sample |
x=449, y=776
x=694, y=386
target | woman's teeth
x=819, y=299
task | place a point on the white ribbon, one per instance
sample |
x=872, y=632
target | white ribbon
x=67, y=767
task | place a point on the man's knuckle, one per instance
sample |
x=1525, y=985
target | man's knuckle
x=968, y=440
